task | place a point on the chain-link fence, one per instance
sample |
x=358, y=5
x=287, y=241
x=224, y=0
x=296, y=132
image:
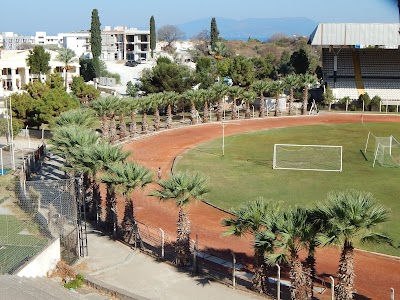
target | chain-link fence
x=33, y=213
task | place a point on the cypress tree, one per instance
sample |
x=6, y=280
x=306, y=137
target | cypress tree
x=95, y=39
x=153, y=39
x=214, y=33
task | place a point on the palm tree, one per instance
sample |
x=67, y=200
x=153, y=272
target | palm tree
x=252, y=218
x=182, y=187
x=260, y=87
x=127, y=177
x=194, y=96
x=121, y=109
x=348, y=216
x=144, y=106
x=290, y=237
x=247, y=97
x=169, y=99
x=277, y=89
x=235, y=92
x=82, y=117
x=154, y=103
x=113, y=111
x=291, y=81
x=306, y=80
x=220, y=89
x=208, y=97
x=67, y=56
x=133, y=105
x=103, y=107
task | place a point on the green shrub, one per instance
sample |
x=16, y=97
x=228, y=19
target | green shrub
x=75, y=283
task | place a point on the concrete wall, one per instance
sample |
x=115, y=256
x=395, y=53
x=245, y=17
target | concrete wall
x=43, y=262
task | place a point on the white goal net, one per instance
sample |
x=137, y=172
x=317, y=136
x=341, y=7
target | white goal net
x=387, y=152
x=308, y=157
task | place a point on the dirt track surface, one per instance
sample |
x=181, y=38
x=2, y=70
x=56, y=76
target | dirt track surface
x=375, y=274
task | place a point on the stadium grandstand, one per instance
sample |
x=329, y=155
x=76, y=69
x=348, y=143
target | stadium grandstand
x=360, y=58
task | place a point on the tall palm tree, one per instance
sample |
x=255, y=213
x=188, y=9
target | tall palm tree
x=154, y=103
x=82, y=117
x=144, y=105
x=194, y=96
x=291, y=81
x=247, y=97
x=253, y=217
x=351, y=215
x=113, y=112
x=235, y=92
x=67, y=56
x=183, y=188
x=306, y=80
x=169, y=99
x=208, y=97
x=292, y=229
x=133, y=105
x=103, y=106
x=127, y=176
x=277, y=88
x=220, y=89
x=260, y=87
x=122, y=109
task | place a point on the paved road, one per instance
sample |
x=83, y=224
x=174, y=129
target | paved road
x=135, y=272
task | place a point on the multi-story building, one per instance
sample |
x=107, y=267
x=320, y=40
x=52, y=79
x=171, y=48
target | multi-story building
x=122, y=43
x=15, y=73
x=77, y=41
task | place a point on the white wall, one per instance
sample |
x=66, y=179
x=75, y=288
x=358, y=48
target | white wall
x=43, y=262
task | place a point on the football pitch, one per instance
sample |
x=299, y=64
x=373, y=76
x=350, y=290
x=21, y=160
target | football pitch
x=245, y=171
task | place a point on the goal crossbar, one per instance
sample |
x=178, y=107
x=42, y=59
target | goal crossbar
x=325, y=158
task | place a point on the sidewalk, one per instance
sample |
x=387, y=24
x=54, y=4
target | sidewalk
x=118, y=265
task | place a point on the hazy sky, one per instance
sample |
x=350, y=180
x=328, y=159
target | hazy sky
x=52, y=16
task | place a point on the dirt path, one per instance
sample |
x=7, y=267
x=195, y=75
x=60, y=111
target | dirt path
x=375, y=274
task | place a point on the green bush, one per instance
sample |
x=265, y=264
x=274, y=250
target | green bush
x=75, y=283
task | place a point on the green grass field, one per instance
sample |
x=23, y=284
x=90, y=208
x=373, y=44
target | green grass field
x=18, y=240
x=245, y=172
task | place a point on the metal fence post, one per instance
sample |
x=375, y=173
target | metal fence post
x=195, y=248
x=233, y=269
x=392, y=294
x=162, y=242
x=332, y=287
x=278, y=283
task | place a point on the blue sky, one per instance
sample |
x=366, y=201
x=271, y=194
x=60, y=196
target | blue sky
x=52, y=16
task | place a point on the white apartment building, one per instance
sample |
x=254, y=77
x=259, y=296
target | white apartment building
x=15, y=73
x=79, y=42
x=122, y=43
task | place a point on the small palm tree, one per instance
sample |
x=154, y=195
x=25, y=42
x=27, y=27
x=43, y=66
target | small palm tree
x=67, y=56
x=306, y=81
x=235, y=92
x=220, y=89
x=122, y=108
x=113, y=112
x=128, y=176
x=252, y=218
x=348, y=216
x=154, y=103
x=260, y=87
x=291, y=81
x=144, y=105
x=82, y=117
x=247, y=98
x=103, y=107
x=183, y=188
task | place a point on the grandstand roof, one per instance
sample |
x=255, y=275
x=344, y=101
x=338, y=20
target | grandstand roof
x=356, y=34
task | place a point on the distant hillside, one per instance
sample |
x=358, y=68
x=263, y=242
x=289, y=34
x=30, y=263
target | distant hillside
x=261, y=29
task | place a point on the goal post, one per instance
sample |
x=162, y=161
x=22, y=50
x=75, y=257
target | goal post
x=387, y=151
x=325, y=158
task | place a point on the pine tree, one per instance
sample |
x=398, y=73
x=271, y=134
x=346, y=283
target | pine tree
x=95, y=39
x=153, y=39
x=214, y=33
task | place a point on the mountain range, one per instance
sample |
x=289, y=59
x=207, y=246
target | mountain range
x=261, y=29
